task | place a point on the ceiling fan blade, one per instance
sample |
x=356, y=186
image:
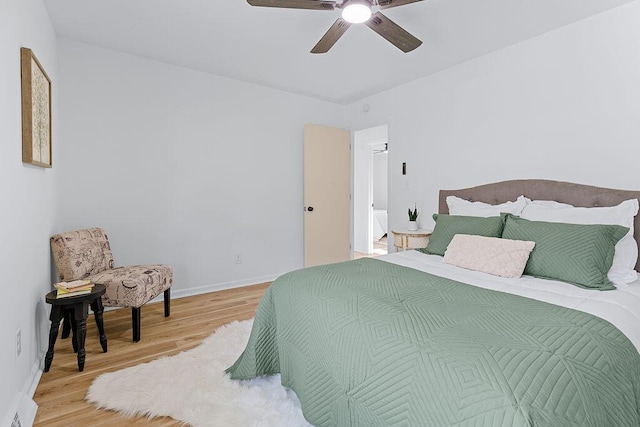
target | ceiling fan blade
x=295, y=4
x=331, y=36
x=394, y=33
x=386, y=4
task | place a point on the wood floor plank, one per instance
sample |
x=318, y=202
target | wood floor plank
x=61, y=392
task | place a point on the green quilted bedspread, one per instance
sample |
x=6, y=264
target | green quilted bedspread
x=369, y=343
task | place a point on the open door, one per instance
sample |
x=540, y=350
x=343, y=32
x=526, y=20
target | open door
x=327, y=189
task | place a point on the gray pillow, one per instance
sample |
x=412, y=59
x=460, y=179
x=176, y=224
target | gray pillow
x=574, y=253
x=448, y=226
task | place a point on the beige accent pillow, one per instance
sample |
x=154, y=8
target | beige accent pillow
x=500, y=257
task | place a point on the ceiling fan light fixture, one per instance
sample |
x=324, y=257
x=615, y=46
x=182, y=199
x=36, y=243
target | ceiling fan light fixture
x=356, y=11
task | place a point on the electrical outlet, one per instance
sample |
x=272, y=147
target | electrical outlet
x=237, y=259
x=18, y=343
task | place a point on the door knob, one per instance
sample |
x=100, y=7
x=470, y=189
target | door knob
x=310, y=209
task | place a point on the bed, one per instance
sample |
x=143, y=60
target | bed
x=410, y=340
x=379, y=224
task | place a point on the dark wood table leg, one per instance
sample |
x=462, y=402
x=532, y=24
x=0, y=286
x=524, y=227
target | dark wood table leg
x=74, y=328
x=55, y=316
x=81, y=312
x=66, y=324
x=98, y=309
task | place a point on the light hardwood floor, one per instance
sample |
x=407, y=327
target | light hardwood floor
x=379, y=248
x=60, y=394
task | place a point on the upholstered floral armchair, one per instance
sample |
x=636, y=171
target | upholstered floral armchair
x=86, y=254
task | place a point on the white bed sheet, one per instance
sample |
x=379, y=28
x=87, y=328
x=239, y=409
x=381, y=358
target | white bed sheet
x=620, y=307
x=379, y=224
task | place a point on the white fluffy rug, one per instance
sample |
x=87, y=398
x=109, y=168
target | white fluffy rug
x=192, y=387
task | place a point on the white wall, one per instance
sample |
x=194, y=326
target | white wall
x=564, y=106
x=182, y=167
x=26, y=206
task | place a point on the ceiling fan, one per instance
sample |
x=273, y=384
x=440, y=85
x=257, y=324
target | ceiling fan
x=353, y=12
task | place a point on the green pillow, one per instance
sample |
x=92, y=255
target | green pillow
x=575, y=253
x=448, y=226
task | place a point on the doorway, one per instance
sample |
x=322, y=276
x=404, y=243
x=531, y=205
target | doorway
x=370, y=182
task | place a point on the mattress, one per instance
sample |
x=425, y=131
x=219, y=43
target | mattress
x=379, y=224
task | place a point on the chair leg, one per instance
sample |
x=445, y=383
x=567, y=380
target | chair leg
x=135, y=318
x=167, y=302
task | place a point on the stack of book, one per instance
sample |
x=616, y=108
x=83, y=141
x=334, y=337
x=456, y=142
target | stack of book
x=72, y=289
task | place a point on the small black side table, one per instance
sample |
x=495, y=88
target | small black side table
x=78, y=308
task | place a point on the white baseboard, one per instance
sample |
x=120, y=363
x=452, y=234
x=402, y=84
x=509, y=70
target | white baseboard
x=27, y=408
x=27, y=411
x=181, y=293
x=34, y=378
x=22, y=412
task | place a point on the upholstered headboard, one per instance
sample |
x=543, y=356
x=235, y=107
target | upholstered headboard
x=540, y=189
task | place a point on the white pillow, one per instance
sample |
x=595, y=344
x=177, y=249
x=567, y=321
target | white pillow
x=492, y=255
x=458, y=206
x=547, y=203
x=622, y=270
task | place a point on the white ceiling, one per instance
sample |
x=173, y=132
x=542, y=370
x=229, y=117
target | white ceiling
x=270, y=46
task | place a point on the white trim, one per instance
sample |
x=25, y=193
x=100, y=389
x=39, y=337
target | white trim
x=8, y=418
x=27, y=410
x=181, y=293
x=36, y=373
x=23, y=403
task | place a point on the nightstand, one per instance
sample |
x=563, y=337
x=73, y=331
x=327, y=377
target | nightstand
x=410, y=239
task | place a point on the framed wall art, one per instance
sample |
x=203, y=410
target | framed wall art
x=36, y=111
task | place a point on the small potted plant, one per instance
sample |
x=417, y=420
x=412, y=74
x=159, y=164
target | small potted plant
x=413, y=218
